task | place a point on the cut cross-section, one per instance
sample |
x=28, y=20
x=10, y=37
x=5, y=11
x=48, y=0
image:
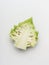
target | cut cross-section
x=24, y=34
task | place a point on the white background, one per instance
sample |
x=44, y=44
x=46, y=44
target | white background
x=15, y=11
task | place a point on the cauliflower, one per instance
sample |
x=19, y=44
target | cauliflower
x=24, y=34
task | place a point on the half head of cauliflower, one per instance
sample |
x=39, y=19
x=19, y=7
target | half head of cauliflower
x=24, y=34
